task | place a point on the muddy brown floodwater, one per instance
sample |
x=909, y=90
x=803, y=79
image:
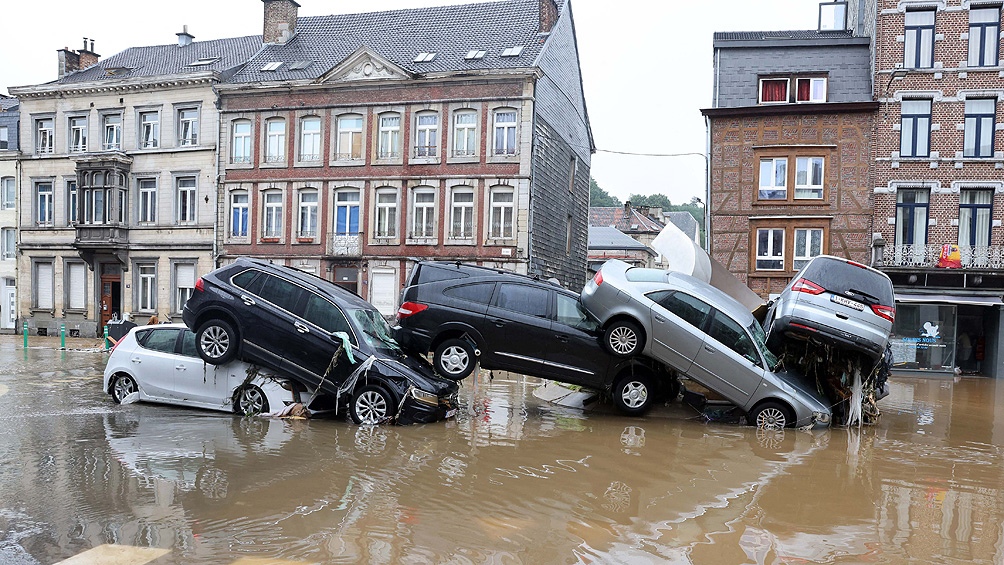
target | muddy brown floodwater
x=513, y=480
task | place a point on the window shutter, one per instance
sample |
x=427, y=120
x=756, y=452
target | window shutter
x=186, y=276
x=43, y=273
x=77, y=286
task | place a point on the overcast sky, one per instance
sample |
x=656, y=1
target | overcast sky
x=646, y=64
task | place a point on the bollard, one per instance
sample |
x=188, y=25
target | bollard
x=107, y=345
x=26, y=335
x=62, y=336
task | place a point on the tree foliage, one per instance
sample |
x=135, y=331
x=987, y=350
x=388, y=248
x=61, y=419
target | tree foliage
x=599, y=197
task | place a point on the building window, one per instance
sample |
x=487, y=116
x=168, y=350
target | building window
x=184, y=284
x=915, y=129
x=774, y=178
x=239, y=213
x=149, y=130
x=186, y=200
x=423, y=212
x=465, y=127
x=347, y=212
x=8, y=245
x=273, y=215
x=984, y=36
x=43, y=204
x=427, y=134
x=505, y=131
x=918, y=47
x=386, y=213
x=978, y=140
x=911, y=217
x=310, y=139
x=147, y=285
x=112, y=128
x=810, y=90
x=350, y=138
x=773, y=91
x=275, y=140
x=502, y=211
x=96, y=201
x=809, y=177
x=43, y=285
x=832, y=16
x=808, y=244
x=241, y=150
x=8, y=193
x=76, y=286
x=308, y=213
x=462, y=213
x=770, y=249
x=188, y=126
x=4, y=142
x=123, y=206
x=147, y=201
x=43, y=136
x=78, y=134
x=975, y=213
x=72, y=205
x=389, y=137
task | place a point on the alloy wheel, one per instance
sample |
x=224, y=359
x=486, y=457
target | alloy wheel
x=371, y=407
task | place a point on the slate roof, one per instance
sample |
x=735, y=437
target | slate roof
x=399, y=35
x=797, y=34
x=173, y=59
x=685, y=221
x=623, y=218
x=605, y=237
x=7, y=102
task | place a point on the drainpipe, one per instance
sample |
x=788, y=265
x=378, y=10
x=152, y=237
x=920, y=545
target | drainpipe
x=707, y=185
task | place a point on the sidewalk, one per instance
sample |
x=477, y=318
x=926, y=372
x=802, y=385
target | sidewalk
x=8, y=341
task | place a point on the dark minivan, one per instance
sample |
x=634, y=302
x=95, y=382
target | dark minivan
x=466, y=314
x=293, y=323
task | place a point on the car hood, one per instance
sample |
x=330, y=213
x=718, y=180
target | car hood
x=805, y=386
x=420, y=373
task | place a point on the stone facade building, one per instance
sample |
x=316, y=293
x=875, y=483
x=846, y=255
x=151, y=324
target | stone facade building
x=8, y=213
x=939, y=180
x=637, y=222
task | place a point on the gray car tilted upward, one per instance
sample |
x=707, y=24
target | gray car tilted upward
x=703, y=333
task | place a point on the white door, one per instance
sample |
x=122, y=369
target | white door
x=383, y=292
x=8, y=309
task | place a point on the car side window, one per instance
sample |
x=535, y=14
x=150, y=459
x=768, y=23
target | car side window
x=244, y=279
x=731, y=335
x=524, y=299
x=324, y=314
x=571, y=313
x=188, y=348
x=280, y=292
x=162, y=340
x=692, y=310
x=480, y=293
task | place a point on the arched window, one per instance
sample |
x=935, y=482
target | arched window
x=308, y=213
x=275, y=140
x=426, y=134
x=505, y=131
x=502, y=219
x=239, y=213
x=389, y=136
x=241, y=144
x=272, y=224
x=346, y=211
x=423, y=212
x=462, y=212
x=386, y=212
x=310, y=139
x=465, y=133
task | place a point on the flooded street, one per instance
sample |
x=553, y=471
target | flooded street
x=512, y=480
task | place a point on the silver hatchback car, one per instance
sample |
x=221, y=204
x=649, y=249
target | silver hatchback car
x=703, y=333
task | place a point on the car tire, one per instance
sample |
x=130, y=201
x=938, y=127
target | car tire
x=250, y=401
x=623, y=338
x=633, y=394
x=122, y=386
x=770, y=415
x=455, y=359
x=216, y=341
x=371, y=405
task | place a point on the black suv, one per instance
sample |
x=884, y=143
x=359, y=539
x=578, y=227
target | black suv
x=467, y=314
x=293, y=323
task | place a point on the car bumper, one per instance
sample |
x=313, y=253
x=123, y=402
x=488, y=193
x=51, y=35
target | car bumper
x=418, y=412
x=789, y=325
x=413, y=339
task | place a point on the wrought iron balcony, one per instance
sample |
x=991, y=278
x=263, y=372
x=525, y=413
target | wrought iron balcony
x=928, y=256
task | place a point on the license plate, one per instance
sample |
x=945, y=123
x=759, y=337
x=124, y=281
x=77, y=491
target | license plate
x=451, y=413
x=848, y=302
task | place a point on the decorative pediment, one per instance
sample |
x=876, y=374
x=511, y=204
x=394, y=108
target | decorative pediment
x=362, y=65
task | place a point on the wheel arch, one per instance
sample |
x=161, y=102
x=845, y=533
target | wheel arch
x=116, y=376
x=626, y=317
x=219, y=314
x=776, y=400
x=457, y=331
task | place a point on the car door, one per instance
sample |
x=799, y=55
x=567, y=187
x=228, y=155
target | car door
x=678, y=321
x=577, y=355
x=313, y=342
x=518, y=328
x=154, y=362
x=728, y=361
x=196, y=381
x=269, y=330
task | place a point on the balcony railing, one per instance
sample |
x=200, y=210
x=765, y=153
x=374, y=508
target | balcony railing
x=113, y=235
x=972, y=257
x=346, y=245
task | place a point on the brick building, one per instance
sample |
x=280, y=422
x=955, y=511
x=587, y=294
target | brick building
x=790, y=129
x=8, y=212
x=939, y=180
x=347, y=150
x=637, y=222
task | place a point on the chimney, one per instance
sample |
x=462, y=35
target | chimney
x=280, y=21
x=548, y=15
x=184, y=38
x=69, y=61
x=88, y=57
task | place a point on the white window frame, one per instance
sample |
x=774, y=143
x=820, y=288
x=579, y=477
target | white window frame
x=43, y=300
x=4, y=138
x=389, y=136
x=8, y=244
x=186, y=208
x=240, y=150
x=146, y=287
x=188, y=125
x=769, y=253
x=275, y=141
x=386, y=216
x=343, y=202
x=272, y=214
x=507, y=129
x=185, y=275
x=809, y=191
x=500, y=211
x=427, y=135
x=241, y=228
x=423, y=214
x=465, y=136
x=462, y=213
x=76, y=134
x=44, y=136
x=111, y=132
x=787, y=90
x=43, y=203
x=149, y=130
x=147, y=201
x=772, y=186
x=310, y=140
x=347, y=137
x=801, y=256
x=8, y=193
x=307, y=218
x=814, y=97
x=72, y=202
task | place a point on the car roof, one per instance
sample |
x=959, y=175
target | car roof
x=481, y=271
x=309, y=280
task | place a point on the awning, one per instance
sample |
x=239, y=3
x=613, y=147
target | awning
x=961, y=299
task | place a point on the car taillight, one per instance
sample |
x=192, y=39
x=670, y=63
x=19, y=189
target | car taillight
x=199, y=285
x=410, y=309
x=807, y=286
x=856, y=264
x=598, y=278
x=887, y=312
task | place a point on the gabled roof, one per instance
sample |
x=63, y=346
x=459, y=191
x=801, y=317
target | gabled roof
x=399, y=36
x=7, y=102
x=607, y=238
x=625, y=218
x=685, y=221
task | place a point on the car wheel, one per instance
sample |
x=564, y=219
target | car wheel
x=250, y=401
x=454, y=359
x=633, y=394
x=623, y=338
x=123, y=386
x=371, y=405
x=770, y=416
x=217, y=341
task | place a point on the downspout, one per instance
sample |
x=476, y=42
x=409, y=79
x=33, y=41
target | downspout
x=707, y=185
x=219, y=188
x=533, y=160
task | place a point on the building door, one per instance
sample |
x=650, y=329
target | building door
x=111, y=297
x=8, y=308
x=383, y=292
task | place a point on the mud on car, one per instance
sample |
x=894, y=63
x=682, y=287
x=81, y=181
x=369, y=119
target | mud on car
x=310, y=330
x=467, y=314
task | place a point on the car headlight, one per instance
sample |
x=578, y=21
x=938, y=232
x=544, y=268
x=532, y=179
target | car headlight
x=821, y=417
x=425, y=397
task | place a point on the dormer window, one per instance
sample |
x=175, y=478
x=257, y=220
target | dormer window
x=832, y=16
x=778, y=90
x=774, y=91
x=203, y=61
x=812, y=90
x=424, y=57
x=512, y=51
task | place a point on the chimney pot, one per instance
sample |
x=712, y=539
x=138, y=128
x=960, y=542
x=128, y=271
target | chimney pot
x=184, y=38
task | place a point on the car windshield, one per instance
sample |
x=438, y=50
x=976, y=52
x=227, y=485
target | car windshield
x=375, y=330
x=761, y=343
